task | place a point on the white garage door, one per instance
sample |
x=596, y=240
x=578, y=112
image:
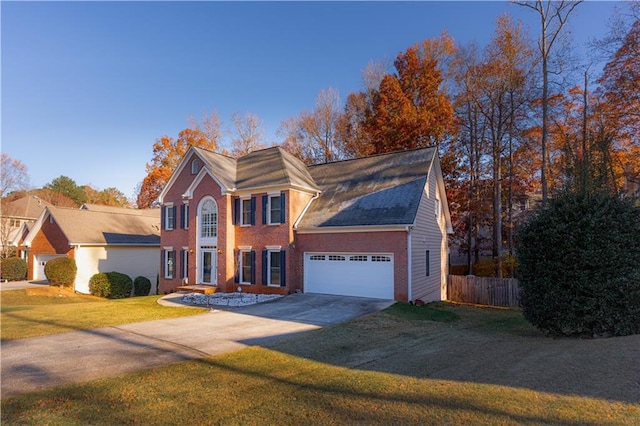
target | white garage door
x=349, y=274
x=39, y=261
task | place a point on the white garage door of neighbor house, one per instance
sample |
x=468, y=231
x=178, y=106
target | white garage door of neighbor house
x=349, y=274
x=40, y=261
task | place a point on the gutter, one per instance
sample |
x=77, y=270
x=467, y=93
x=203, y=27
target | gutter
x=409, y=266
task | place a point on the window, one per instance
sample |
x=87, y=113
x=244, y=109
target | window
x=247, y=211
x=427, y=262
x=169, y=217
x=338, y=258
x=380, y=258
x=184, y=258
x=169, y=263
x=195, y=166
x=208, y=219
x=247, y=266
x=275, y=212
x=437, y=207
x=317, y=257
x=184, y=216
x=273, y=267
x=358, y=258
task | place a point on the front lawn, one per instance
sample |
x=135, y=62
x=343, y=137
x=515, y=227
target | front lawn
x=49, y=310
x=442, y=364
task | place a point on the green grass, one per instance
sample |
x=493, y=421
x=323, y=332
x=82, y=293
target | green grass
x=429, y=312
x=52, y=310
x=257, y=386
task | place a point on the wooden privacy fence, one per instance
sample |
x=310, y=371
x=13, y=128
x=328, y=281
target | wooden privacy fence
x=483, y=291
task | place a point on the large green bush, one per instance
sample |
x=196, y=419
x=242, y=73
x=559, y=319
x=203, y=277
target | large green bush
x=61, y=271
x=579, y=266
x=141, y=286
x=99, y=285
x=113, y=285
x=13, y=268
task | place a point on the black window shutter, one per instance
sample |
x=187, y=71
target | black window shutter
x=181, y=266
x=162, y=262
x=175, y=209
x=283, y=269
x=265, y=269
x=163, y=217
x=283, y=209
x=236, y=211
x=236, y=277
x=265, y=200
x=253, y=210
x=182, y=218
x=253, y=266
x=186, y=263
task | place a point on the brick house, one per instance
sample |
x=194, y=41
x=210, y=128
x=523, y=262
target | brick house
x=99, y=238
x=266, y=223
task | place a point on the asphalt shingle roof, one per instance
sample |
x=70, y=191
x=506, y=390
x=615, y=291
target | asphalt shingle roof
x=383, y=189
x=135, y=227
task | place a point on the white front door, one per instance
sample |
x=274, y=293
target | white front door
x=208, y=265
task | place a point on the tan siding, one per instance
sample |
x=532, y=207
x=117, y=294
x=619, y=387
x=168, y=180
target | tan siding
x=429, y=234
x=133, y=261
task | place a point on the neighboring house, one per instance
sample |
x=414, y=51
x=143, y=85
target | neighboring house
x=266, y=223
x=99, y=238
x=16, y=218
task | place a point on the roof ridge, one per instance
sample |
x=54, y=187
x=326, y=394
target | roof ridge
x=381, y=154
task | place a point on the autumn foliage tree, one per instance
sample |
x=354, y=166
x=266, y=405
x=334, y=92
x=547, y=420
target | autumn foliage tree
x=167, y=153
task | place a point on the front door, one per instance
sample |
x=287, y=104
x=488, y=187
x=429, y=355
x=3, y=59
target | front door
x=208, y=265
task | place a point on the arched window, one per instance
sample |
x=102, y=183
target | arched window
x=208, y=219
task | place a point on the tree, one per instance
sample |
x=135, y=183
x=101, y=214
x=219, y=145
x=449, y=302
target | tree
x=412, y=108
x=578, y=266
x=248, y=134
x=312, y=136
x=167, y=153
x=553, y=17
x=13, y=175
x=620, y=83
x=66, y=186
x=106, y=197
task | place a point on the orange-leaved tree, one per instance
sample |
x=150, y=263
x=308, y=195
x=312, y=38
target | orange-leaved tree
x=167, y=153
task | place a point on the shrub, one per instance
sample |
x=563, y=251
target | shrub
x=13, y=268
x=141, y=286
x=99, y=285
x=578, y=266
x=113, y=285
x=61, y=271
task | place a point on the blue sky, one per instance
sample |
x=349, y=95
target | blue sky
x=87, y=87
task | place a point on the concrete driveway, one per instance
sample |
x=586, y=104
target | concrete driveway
x=39, y=363
x=18, y=285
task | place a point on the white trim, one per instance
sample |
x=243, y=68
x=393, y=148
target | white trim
x=167, y=247
x=347, y=229
x=273, y=248
x=304, y=211
x=188, y=193
x=270, y=250
x=168, y=204
x=270, y=197
x=244, y=248
x=409, y=266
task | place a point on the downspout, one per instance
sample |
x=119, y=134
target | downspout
x=409, y=280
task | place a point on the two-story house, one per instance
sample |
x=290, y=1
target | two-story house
x=267, y=223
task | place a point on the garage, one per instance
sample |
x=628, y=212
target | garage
x=39, y=261
x=349, y=274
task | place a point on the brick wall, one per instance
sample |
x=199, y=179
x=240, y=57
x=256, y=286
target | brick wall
x=49, y=240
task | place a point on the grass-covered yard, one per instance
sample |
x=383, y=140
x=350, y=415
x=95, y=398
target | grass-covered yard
x=441, y=364
x=49, y=310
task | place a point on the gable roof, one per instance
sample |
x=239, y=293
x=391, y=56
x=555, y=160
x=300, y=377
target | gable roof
x=272, y=167
x=121, y=210
x=28, y=207
x=266, y=168
x=379, y=190
x=95, y=227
